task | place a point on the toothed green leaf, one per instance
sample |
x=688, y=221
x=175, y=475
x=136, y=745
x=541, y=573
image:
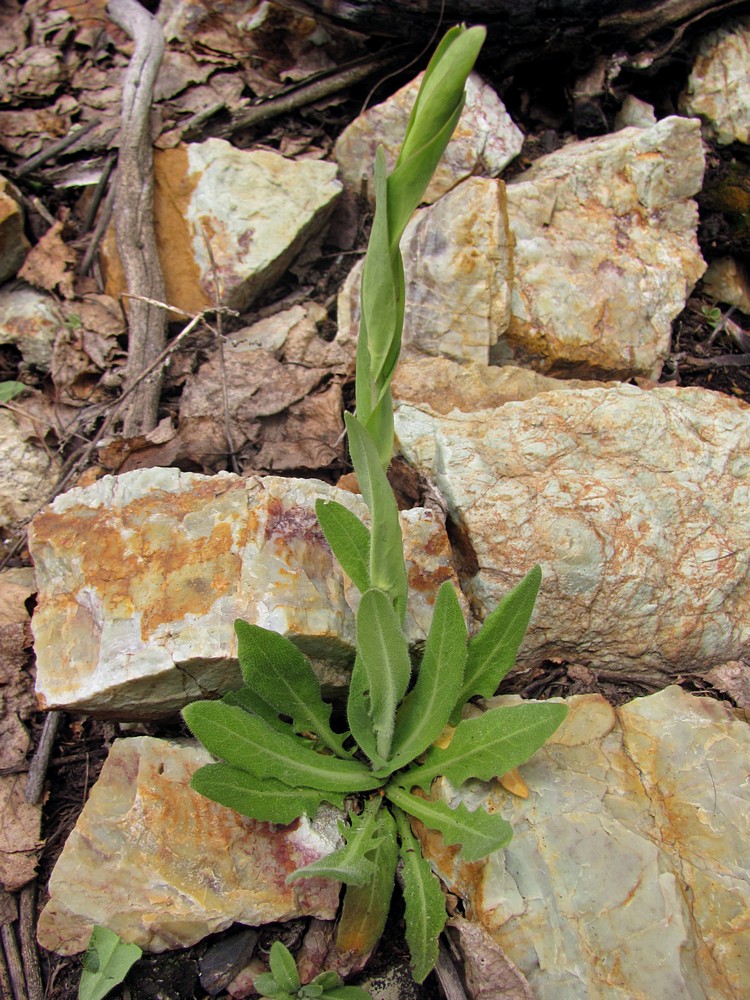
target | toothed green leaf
x=247, y=742
x=425, y=903
x=384, y=655
x=278, y=672
x=492, y=651
x=349, y=539
x=425, y=710
x=365, y=908
x=478, y=833
x=264, y=799
x=491, y=744
x=350, y=863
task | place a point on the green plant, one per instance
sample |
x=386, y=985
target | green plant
x=107, y=961
x=281, y=756
x=9, y=390
x=283, y=982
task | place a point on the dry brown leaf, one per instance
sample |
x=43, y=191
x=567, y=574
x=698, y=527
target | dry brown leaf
x=20, y=827
x=16, y=587
x=306, y=436
x=488, y=972
x=513, y=782
x=50, y=263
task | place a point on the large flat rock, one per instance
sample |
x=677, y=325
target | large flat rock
x=627, y=877
x=164, y=867
x=141, y=577
x=634, y=502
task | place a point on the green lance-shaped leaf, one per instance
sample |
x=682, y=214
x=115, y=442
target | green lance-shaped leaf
x=249, y=743
x=350, y=863
x=478, y=833
x=490, y=745
x=492, y=651
x=365, y=908
x=281, y=675
x=252, y=703
x=264, y=799
x=425, y=903
x=358, y=714
x=387, y=566
x=266, y=985
x=107, y=961
x=283, y=967
x=349, y=539
x=424, y=712
x=384, y=655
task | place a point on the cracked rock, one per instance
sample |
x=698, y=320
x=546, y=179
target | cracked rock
x=163, y=867
x=719, y=86
x=627, y=876
x=141, y=577
x=634, y=502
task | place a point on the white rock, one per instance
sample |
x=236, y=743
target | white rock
x=628, y=875
x=29, y=320
x=163, y=866
x=457, y=266
x=141, y=577
x=634, y=502
x=262, y=209
x=605, y=252
x=635, y=112
x=27, y=472
x=485, y=140
x=719, y=86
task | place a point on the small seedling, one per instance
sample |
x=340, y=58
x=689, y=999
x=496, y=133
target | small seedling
x=280, y=756
x=283, y=982
x=9, y=390
x=107, y=961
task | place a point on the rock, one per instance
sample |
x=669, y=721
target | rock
x=605, y=252
x=27, y=472
x=13, y=243
x=628, y=872
x=457, y=265
x=439, y=385
x=30, y=321
x=256, y=208
x=634, y=503
x=635, y=112
x=718, y=90
x=728, y=280
x=163, y=866
x=141, y=577
x=485, y=140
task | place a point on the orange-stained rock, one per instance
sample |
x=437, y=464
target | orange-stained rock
x=251, y=210
x=163, y=866
x=628, y=874
x=141, y=577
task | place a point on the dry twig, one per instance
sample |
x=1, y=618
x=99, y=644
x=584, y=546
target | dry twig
x=134, y=212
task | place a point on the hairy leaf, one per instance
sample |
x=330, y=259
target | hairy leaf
x=264, y=799
x=478, y=833
x=425, y=710
x=365, y=908
x=247, y=742
x=387, y=566
x=358, y=713
x=254, y=704
x=491, y=744
x=349, y=539
x=266, y=985
x=283, y=967
x=492, y=651
x=385, y=660
x=281, y=675
x=350, y=863
x=425, y=903
x=107, y=961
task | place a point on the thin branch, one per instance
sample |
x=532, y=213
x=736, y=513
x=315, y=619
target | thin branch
x=78, y=132
x=134, y=211
x=29, y=953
